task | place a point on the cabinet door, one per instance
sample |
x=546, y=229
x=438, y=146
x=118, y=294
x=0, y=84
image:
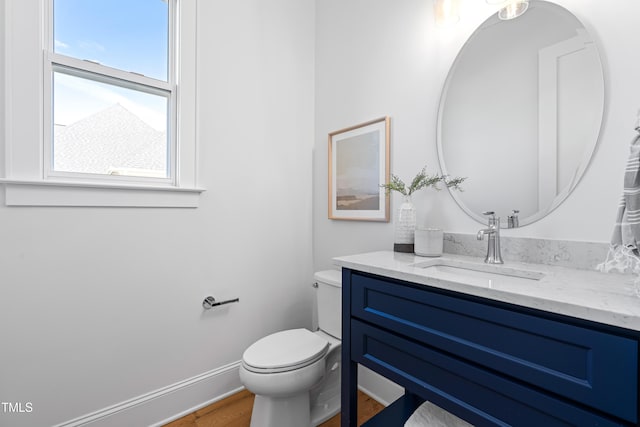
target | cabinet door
x=581, y=364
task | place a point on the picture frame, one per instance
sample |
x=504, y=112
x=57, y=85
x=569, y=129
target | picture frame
x=358, y=167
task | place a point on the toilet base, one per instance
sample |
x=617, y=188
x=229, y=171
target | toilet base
x=303, y=397
x=291, y=411
x=325, y=396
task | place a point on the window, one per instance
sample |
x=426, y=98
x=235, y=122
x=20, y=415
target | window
x=112, y=89
x=108, y=103
x=109, y=79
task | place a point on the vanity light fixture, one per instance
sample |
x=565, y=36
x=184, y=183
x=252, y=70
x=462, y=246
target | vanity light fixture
x=510, y=9
x=513, y=9
x=446, y=12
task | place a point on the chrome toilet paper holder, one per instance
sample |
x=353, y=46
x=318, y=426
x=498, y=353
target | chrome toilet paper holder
x=210, y=302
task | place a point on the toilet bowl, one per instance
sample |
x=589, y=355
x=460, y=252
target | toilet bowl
x=295, y=374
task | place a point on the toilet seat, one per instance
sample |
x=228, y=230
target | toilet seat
x=285, y=351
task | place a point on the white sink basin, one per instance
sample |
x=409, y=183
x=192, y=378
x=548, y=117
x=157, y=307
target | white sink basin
x=486, y=275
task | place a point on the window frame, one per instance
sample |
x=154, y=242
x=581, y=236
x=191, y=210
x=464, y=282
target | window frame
x=28, y=178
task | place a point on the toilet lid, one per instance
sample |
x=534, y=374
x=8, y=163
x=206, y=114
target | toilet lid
x=293, y=347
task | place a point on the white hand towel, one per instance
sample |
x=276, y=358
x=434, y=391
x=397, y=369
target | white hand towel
x=627, y=229
x=625, y=241
x=430, y=415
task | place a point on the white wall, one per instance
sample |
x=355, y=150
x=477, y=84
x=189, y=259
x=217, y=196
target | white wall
x=99, y=306
x=383, y=57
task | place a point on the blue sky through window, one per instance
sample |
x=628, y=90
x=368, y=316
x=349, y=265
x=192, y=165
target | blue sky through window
x=131, y=35
x=76, y=98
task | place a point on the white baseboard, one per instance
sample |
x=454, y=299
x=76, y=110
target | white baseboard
x=168, y=403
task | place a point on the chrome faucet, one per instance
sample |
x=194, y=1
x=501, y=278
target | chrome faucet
x=493, y=231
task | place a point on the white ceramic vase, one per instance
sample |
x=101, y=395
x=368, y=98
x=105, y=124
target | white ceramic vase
x=405, y=226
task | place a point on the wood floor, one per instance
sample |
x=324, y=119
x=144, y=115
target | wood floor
x=235, y=411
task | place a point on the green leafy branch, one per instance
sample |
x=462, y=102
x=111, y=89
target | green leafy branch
x=422, y=180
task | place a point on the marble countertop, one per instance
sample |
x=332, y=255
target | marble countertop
x=607, y=298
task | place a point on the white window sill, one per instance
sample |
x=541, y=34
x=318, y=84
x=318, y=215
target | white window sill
x=49, y=193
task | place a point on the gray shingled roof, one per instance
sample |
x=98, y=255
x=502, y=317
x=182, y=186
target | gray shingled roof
x=109, y=140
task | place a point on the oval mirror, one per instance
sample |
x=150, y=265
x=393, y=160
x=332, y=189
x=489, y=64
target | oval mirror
x=520, y=113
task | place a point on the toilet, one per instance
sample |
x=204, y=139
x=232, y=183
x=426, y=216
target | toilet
x=295, y=374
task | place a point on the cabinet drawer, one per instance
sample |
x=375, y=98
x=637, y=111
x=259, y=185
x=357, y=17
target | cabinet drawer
x=478, y=395
x=585, y=365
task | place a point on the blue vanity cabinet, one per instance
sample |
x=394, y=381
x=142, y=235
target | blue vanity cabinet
x=490, y=363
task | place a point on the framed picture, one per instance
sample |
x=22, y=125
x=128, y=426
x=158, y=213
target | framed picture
x=358, y=166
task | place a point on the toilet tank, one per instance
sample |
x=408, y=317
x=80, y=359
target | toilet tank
x=329, y=300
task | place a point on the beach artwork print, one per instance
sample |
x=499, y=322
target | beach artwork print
x=357, y=174
x=358, y=166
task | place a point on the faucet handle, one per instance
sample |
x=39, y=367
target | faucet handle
x=512, y=220
x=493, y=220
